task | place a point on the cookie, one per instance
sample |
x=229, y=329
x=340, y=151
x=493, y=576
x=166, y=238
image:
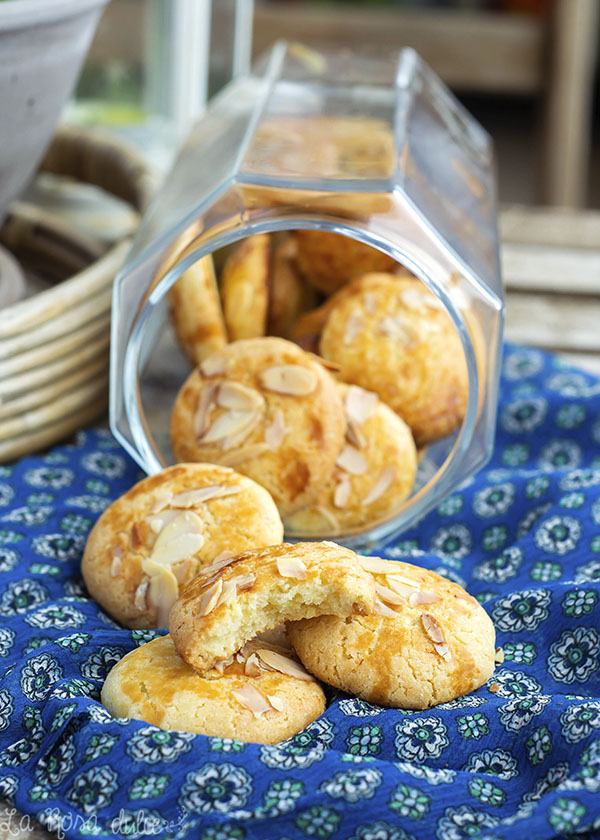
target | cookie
x=374, y=471
x=256, y=699
x=330, y=260
x=244, y=288
x=228, y=604
x=429, y=643
x=390, y=334
x=289, y=294
x=306, y=332
x=196, y=313
x=267, y=408
x=151, y=541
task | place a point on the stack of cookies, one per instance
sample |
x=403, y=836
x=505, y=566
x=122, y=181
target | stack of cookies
x=386, y=631
x=321, y=366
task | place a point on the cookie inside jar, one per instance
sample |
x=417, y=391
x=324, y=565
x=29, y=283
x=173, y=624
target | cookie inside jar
x=317, y=365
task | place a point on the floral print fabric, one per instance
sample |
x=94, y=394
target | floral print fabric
x=518, y=758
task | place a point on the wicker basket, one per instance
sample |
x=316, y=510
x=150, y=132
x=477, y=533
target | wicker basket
x=54, y=346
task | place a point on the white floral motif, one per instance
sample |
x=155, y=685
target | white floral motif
x=7, y=638
x=93, y=789
x=215, y=788
x=555, y=776
x=302, y=749
x=152, y=745
x=452, y=543
x=588, y=571
x=560, y=454
x=380, y=830
x=500, y=568
x=463, y=821
x=57, y=762
x=558, y=534
x=523, y=415
x=432, y=775
x=421, y=738
x=522, y=364
x=95, y=504
x=38, y=675
x=577, y=479
x=8, y=786
x=8, y=559
x=54, y=477
x=21, y=595
x=353, y=784
x=56, y=615
x=6, y=708
x=495, y=500
x=109, y=466
x=60, y=547
x=358, y=708
x=468, y=701
x=496, y=762
x=515, y=683
x=521, y=610
x=6, y=494
x=27, y=515
x=574, y=656
x=577, y=722
x=517, y=713
x=99, y=663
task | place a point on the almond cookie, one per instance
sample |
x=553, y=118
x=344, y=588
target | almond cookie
x=267, y=408
x=196, y=311
x=392, y=335
x=151, y=541
x=244, y=288
x=229, y=603
x=373, y=474
x=289, y=294
x=263, y=695
x=330, y=260
x=429, y=642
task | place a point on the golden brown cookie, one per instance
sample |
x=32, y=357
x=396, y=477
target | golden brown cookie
x=330, y=260
x=244, y=288
x=227, y=605
x=267, y=408
x=151, y=541
x=196, y=311
x=262, y=696
x=390, y=334
x=430, y=643
x=374, y=471
x=289, y=294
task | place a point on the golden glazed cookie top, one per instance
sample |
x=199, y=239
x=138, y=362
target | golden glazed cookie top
x=267, y=408
x=263, y=695
x=232, y=602
x=392, y=335
x=152, y=540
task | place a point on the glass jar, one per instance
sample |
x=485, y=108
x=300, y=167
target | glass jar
x=373, y=148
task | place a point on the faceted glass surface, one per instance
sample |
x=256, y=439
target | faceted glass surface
x=371, y=147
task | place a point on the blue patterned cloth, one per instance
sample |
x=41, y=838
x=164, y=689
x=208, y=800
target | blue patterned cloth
x=518, y=758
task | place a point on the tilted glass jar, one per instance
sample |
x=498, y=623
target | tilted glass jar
x=373, y=148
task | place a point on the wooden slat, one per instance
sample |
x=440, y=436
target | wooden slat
x=587, y=361
x=557, y=227
x=469, y=50
x=545, y=269
x=554, y=321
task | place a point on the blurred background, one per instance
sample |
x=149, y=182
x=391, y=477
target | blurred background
x=527, y=69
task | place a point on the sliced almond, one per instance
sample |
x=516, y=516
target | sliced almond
x=245, y=582
x=222, y=664
x=238, y=397
x=291, y=567
x=191, y=498
x=354, y=326
x=499, y=656
x=388, y=595
x=276, y=702
x=228, y=593
x=369, y=303
x=422, y=597
x=432, y=628
x=376, y=565
x=276, y=431
x=205, y=403
x=252, y=666
x=443, y=650
x=139, y=599
x=398, y=328
x=352, y=460
x=294, y=380
x=394, y=578
x=278, y=662
x=180, y=539
x=117, y=561
x=381, y=486
x=341, y=494
x=162, y=500
x=326, y=363
x=382, y=609
x=162, y=594
x=140, y=531
x=329, y=517
x=228, y=424
x=160, y=520
x=420, y=299
x=354, y=436
x=213, y=366
x=250, y=698
x=246, y=453
x=401, y=588
x=360, y=404
x=210, y=598
x=181, y=571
